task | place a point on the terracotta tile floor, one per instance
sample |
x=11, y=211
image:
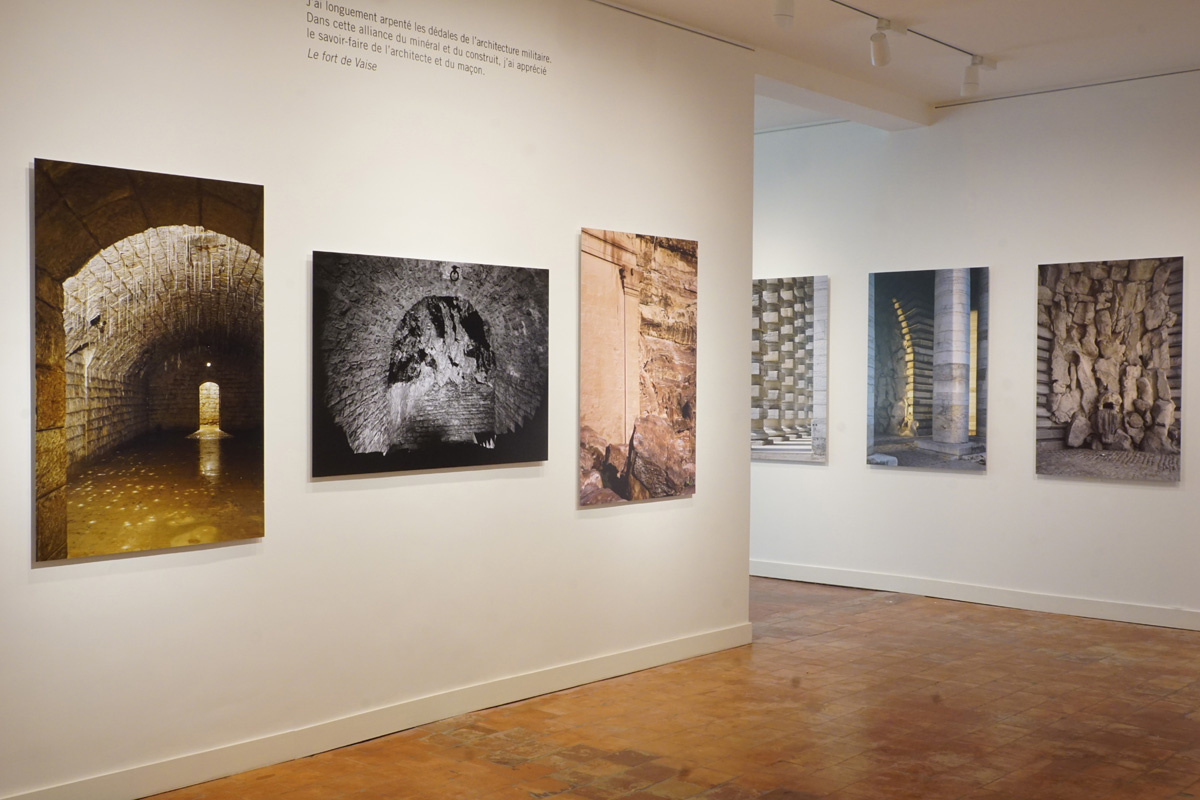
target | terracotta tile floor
x=844, y=694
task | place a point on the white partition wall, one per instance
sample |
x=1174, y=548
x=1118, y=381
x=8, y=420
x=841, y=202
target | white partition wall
x=378, y=603
x=1090, y=174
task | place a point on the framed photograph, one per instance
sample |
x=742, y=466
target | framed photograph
x=637, y=373
x=1110, y=355
x=789, y=378
x=422, y=365
x=927, y=338
x=149, y=361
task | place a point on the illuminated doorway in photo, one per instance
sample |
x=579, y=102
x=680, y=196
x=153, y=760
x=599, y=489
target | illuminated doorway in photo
x=210, y=406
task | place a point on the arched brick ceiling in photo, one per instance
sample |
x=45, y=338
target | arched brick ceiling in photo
x=83, y=209
x=162, y=292
x=366, y=298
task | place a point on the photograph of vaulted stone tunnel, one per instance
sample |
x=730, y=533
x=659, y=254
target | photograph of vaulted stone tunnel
x=789, y=353
x=927, y=342
x=1109, y=369
x=148, y=351
x=423, y=365
x=637, y=367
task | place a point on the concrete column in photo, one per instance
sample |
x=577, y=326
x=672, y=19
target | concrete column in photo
x=951, y=356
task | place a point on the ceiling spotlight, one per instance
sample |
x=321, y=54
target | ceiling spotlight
x=881, y=51
x=970, y=84
x=785, y=12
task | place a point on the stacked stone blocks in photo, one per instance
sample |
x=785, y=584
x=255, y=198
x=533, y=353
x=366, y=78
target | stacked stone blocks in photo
x=904, y=346
x=788, y=364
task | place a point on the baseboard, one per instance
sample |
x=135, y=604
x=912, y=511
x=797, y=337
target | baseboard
x=988, y=595
x=217, y=763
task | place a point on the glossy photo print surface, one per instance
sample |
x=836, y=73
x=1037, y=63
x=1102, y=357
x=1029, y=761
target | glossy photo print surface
x=1110, y=355
x=637, y=370
x=149, y=361
x=427, y=364
x=789, y=356
x=927, y=339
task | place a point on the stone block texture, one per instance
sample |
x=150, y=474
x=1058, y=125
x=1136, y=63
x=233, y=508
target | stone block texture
x=1110, y=355
x=637, y=366
x=788, y=358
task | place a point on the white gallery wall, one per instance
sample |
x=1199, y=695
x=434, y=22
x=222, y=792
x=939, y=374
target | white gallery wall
x=378, y=603
x=1090, y=174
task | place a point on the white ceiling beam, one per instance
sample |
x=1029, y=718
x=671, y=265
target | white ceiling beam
x=791, y=81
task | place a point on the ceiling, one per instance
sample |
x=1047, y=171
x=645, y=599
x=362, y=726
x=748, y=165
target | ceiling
x=1038, y=45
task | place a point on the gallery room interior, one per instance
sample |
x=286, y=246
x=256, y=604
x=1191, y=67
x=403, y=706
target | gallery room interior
x=816, y=371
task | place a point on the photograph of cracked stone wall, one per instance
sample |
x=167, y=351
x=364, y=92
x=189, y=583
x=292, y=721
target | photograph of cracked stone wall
x=148, y=361
x=427, y=364
x=637, y=371
x=1109, y=354
x=927, y=346
x=789, y=352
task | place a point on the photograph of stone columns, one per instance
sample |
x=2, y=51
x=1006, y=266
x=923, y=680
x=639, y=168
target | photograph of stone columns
x=789, y=353
x=637, y=367
x=427, y=364
x=927, y=343
x=149, y=361
x=1109, y=369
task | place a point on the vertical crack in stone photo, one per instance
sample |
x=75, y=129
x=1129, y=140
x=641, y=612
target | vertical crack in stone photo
x=427, y=364
x=637, y=372
x=1110, y=369
x=927, y=369
x=789, y=351
x=149, y=337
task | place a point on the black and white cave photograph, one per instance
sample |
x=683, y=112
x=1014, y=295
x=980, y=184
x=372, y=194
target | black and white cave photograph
x=927, y=341
x=1110, y=351
x=421, y=365
x=149, y=361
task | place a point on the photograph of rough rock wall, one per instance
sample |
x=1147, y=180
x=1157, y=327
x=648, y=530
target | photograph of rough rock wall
x=637, y=372
x=1110, y=339
x=148, y=359
x=427, y=364
x=927, y=342
x=789, y=351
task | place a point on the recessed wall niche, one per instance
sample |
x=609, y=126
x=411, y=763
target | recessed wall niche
x=148, y=289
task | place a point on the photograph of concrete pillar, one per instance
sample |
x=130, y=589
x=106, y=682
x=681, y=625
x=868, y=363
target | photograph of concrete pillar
x=1110, y=340
x=927, y=361
x=637, y=367
x=789, y=353
x=148, y=359
x=427, y=364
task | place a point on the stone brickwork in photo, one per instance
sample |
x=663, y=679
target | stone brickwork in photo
x=440, y=360
x=1109, y=377
x=637, y=367
x=135, y=272
x=928, y=366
